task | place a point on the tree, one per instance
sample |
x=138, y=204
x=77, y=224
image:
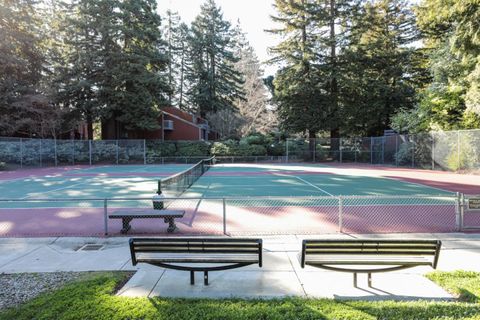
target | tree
x=383, y=67
x=251, y=114
x=21, y=67
x=215, y=84
x=301, y=103
x=177, y=36
x=113, y=64
x=451, y=31
x=133, y=87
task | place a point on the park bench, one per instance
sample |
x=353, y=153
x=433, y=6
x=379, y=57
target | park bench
x=196, y=254
x=127, y=215
x=369, y=256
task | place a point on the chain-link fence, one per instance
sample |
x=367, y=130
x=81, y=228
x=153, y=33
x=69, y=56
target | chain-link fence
x=238, y=215
x=452, y=150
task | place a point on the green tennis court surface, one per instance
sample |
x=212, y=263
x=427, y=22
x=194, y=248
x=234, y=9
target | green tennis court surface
x=95, y=182
x=220, y=181
x=291, y=181
x=228, y=199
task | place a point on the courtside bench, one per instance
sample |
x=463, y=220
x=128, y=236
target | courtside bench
x=127, y=215
x=369, y=256
x=196, y=254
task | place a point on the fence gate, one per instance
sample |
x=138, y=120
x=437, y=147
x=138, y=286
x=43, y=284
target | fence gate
x=470, y=212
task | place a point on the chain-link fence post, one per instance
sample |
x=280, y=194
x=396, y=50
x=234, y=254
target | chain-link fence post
x=340, y=214
x=314, y=149
x=116, y=151
x=144, y=151
x=458, y=151
x=55, y=151
x=40, y=152
x=73, y=152
x=224, y=216
x=396, y=150
x=105, y=216
x=433, y=150
x=90, y=152
x=340, y=149
x=286, y=146
x=462, y=211
x=413, y=151
x=371, y=150
x=383, y=150
x=458, y=211
x=21, y=153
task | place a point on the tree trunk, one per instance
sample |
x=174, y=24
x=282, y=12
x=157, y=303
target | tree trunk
x=334, y=131
x=89, y=127
x=311, y=143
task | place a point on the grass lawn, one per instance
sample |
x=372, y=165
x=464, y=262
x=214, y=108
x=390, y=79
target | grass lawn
x=91, y=298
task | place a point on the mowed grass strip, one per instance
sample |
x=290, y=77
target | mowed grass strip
x=93, y=298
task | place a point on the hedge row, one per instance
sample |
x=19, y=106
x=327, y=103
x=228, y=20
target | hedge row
x=35, y=152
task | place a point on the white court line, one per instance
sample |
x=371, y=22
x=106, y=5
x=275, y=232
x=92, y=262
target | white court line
x=306, y=182
x=62, y=188
x=416, y=184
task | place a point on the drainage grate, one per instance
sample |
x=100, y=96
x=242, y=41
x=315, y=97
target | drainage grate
x=91, y=247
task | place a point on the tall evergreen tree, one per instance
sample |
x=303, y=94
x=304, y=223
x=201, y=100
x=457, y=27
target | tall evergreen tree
x=133, y=88
x=22, y=103
x=382, y=70
x=451, y=32
x=307, y=86
x=177, y=34
x=114, y=63
x=215, y=84
x=302, y=104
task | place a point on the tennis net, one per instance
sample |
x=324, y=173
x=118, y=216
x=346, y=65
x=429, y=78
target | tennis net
x=177, y=184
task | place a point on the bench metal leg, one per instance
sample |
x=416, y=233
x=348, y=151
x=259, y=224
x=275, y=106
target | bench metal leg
x=355, y=279
x=205, y=278
x=370, y=280
x=126, y=224
x=192, y=278
x=171, y=224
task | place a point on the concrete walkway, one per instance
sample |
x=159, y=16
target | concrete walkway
x=280, y=276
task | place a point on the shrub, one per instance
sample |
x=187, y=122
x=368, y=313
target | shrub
x=256, y=138
x=276, y=149
x=224, y=148
x=3, y=166
x=192, y=148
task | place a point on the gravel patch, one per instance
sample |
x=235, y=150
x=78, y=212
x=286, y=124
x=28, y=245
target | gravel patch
x=20, y=287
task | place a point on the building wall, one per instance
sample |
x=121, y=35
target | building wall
x=181, y=130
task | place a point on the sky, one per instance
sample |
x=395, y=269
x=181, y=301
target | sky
x=254, y=16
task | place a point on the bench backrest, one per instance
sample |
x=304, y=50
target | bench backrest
x=196, y=245
x=372, y=247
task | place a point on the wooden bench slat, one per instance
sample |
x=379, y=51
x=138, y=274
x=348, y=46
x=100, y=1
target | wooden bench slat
x=198, y=258
x=196, y=245
x=147, y=213
x=366, y=252
x=380, y=241
x=370, y=245
x=369, y=259
x=196, y=240
x=198, y=250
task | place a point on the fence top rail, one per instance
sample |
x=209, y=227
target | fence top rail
x=282, y=198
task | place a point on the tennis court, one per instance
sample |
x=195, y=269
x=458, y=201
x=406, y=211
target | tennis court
x=228, y=198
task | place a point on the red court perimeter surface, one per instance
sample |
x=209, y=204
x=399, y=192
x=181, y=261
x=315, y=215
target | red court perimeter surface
x=208, y=220
x=464, y=183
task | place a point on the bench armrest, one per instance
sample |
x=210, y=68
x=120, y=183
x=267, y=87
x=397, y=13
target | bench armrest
x=132, y=252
